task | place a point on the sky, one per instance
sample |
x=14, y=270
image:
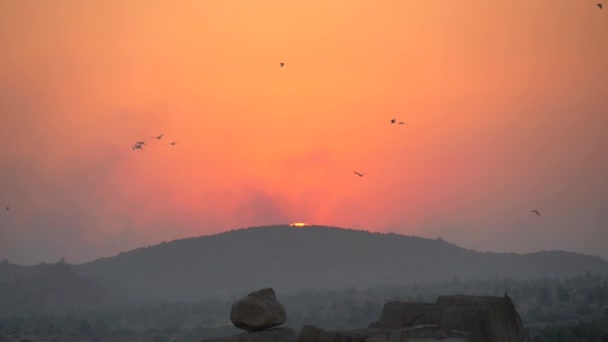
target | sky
x=504, y=106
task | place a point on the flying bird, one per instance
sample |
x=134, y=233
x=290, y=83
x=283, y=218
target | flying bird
x=173, y=143
x=393, y=121
x=359, y=174
x=599, y=5
x=159, y=137
x=401, y=122
x=138, y=145
x=536, y=212
x=282, y=64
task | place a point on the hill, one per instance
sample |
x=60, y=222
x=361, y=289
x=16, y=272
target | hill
x=46, y=288
x=292, y=259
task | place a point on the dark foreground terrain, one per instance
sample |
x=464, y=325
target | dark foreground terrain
x=332, y=278
x=570, y=309
x=455, y=318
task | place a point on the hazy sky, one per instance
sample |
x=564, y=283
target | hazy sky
x=505, y=106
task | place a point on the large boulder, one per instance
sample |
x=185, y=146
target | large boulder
x=257, y=311
x=480, y=318
x=488, y=318
x=270, y=335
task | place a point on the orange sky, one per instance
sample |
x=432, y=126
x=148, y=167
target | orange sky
x=504, y=104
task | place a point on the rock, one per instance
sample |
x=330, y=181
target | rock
x=478, y=318
x=257, y=311
x=487, y=318
x=270, y=335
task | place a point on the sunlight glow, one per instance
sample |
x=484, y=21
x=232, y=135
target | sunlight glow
x=298, y=224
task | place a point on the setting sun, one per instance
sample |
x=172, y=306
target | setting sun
x=298, y=224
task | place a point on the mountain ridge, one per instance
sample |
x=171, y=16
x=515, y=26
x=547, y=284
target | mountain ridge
x=292, y=259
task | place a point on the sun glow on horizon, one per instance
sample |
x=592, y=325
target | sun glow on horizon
x=298, y=224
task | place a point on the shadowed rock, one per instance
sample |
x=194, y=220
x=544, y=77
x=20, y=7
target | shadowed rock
x=257, y=311
x=482, y=318
x=487, y=318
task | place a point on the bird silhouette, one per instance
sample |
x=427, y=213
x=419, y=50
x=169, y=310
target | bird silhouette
x=173, y=143
x=159, y=137
x=599, y=5
x=393, y=121
x=359, y=174
x=401, y=122
x=536, y=212
x=138, y=145
x=282, y=64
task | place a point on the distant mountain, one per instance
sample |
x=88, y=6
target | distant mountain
x=292, y=259
x=46, y=288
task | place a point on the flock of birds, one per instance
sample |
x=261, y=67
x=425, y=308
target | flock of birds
x=139, y=145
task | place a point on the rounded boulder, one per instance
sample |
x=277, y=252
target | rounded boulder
x=260, y=310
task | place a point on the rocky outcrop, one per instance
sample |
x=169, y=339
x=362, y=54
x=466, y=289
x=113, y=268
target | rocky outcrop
x=258, y=311
x=451, y=318
x=484, y=318
x=487, y=318
x=270, y=335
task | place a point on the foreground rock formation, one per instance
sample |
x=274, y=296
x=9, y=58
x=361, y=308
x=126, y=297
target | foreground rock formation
x=483, y=318
x=451, y=318
x=258, y=313
x=260, y=310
